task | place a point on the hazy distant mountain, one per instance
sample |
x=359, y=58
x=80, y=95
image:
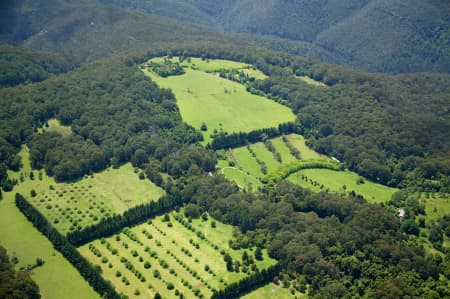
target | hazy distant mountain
x=86, y=30
x=373, y=35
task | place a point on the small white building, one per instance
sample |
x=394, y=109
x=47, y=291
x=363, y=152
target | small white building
x=401, y=212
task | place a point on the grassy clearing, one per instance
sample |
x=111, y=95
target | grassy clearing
x=257, y=74
x=265, y=155
x=241, y=178
x=335, y=181
x=221, y=104
x=55, y=126
x=298, y=141
x=273, y=291
x=176, y=255
x=280, y=146
x=206, y=65
x=214, y=65
x=311, y=81
x=57, y=278
x=250, y=169
x=72, y=206
x=245, y=161
x=436, y=206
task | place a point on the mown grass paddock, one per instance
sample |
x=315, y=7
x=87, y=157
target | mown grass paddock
x=342, y=182
x=248, y=163
x=274, y=291
x=223, y=105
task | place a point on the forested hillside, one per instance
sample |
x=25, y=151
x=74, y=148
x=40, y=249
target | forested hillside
x=87, y=30
x=374, y=35
x=116, y=115
x=20, y=65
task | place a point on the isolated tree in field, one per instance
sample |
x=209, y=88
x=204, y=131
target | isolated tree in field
x=157, y=296
x=204, y=127
x=166, y=218
x=205, y=216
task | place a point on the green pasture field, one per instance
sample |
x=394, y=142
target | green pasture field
x=280, y=147
x=242, y=179
x=206, y=65
x=176, y=253
x=298, y=141
x=247, y=170
x=57, y=278
x=214, y=65
x=70, y=206
x=265, y=155
x=335, y=180
x=255, y=73
x=221, y=104
x=311, y=81
x=245, y=161
x=55, y=126
x=436, y=206
x=273, y=291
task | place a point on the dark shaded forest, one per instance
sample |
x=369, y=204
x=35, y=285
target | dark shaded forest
x=22, y=66
x=15, y=284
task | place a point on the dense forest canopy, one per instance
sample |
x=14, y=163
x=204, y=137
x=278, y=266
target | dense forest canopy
x=20, y=65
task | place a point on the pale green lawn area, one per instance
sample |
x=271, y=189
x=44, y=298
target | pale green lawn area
x=212, y=65
x=86, y=201
x=242, y=179
x=437, y=207
x=335, y=180
x=172, y=240
x=245, y=161
x=55, y=126
x=207, y=65
x=273, y=291
x=281, y=148
x=298, y=141
x=57, y=278
x=221, y=104
x=265, y=155
x=257, y=74
x=311, y=81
